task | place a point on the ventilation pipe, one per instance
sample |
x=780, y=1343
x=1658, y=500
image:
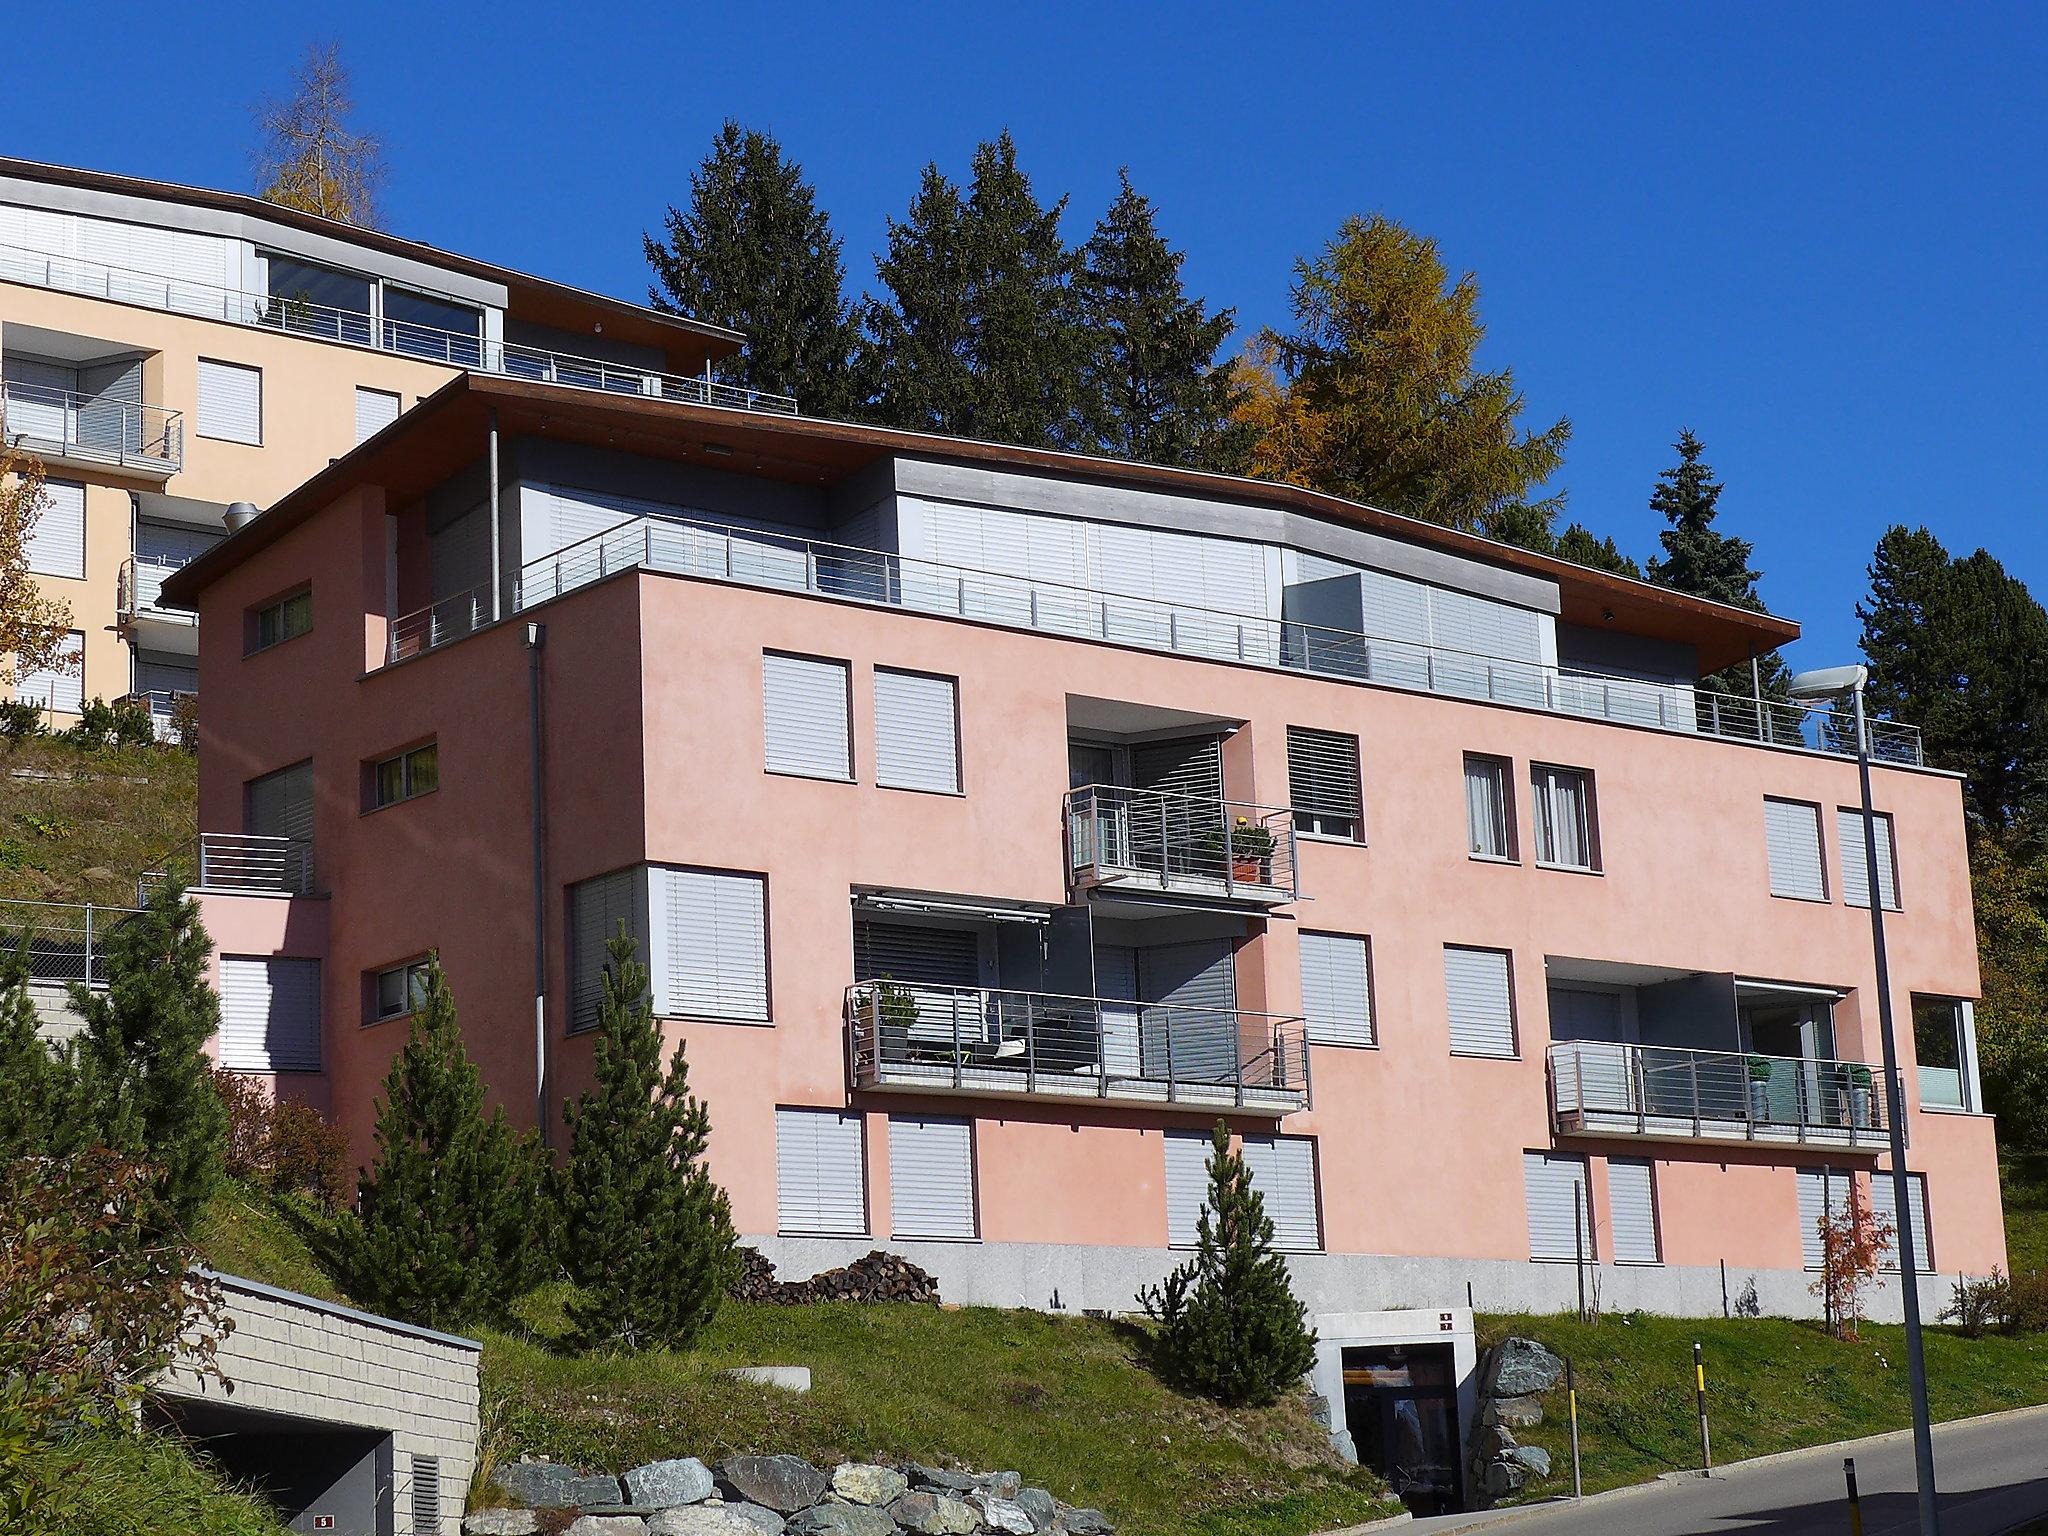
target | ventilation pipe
x=240, y=515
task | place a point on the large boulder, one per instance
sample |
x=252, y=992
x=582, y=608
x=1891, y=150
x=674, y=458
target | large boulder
x=1522, y=1367
x=607, y=1525
x=553, y=1485
x=1502, y=1478
x=1521, y=1412
x=715, y=1520
x=1003, y=1485
x=934, y=1514
x=860, y=1482
x=1533, y=1457
x=1005, y=1515
x=1039, y=1505
x=501, y=1522
x=784, y=1484
x=841, y=1520
x=666, y=1484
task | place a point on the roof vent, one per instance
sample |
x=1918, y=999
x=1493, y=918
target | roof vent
x=239, y=514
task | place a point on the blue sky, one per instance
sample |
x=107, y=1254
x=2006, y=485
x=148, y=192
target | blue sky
x=1818, y=235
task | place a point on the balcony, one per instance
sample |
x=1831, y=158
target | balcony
x=1670, y=1093
x=70, y=430
x=250, y=862
x=140, y=593
x=1179, y=845
x=164, y=705
x=1037, y=1045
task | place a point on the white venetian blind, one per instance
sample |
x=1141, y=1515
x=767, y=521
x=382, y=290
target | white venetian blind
x=596, y=909
x=1560, y=1222
x=61, y=687
x=56, y=544
x=917, y=743
x=715, y=925
x=1187, y=1184
x=1336, y=989
x=230, y=402
x=269, y=1014
x=1283, y=1170
x=1481, y=1002
x=376, y=409
x=1884, y=1206
x=1792, y=838
x=820, y=1172
x=1822, y=1191
x=1632, y=1210
x=1855, y=863
x=931, y=1176
x=803, y=709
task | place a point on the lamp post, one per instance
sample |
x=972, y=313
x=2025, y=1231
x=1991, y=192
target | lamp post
x=1834, y=683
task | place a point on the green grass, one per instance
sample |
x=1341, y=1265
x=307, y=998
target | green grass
x=248, y=1233
x=2024, y=1185
x=126, y=1484
x=79, y=826
x=1772, y=1385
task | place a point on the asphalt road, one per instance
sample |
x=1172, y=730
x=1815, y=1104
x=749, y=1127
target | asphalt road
x=1993, y=1476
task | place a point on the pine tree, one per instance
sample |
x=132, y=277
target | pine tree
x=1229, y=1324
x=649, y=1235
x=144, y=1080
x=450, y=1222
x=35, y=1081
x=1151, y=389
x=755, y=252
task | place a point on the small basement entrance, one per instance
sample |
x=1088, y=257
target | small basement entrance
x=1401, y=1403
x=320, y=1477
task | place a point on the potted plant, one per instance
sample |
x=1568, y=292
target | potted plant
x=1760, y=1069
x=1251, y=852
x=1861, y=1099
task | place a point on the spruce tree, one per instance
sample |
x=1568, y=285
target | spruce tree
x=1230, y=1326
x=35, y=1080
x=1528, y=527
x=755, y=252
x=648, y=1234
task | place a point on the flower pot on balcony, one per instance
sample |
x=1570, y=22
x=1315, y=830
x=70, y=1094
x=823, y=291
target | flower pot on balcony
x=1861, y=1101
x=1249, y=872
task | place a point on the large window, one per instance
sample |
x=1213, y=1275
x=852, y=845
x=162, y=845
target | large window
x=312, y=300
x=1322, y=783
x=406, y=776
x=1567, y=837
x=804, y=715
x=1792, y=840
x=1941, y=1045
x=1489, y=810
x=433, y=328
x=1856, y=862
x=275, y=623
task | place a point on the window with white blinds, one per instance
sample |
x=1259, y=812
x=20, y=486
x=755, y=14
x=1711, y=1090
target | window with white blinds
x=376, y=409
x=1856, y=865
x=56, y=544
x=60, y=687
x=597, y=908
x=1187, y=1184
x=917, y=731
x=1336, y=988
x=820, y=1172
x=715, y=930
x=931, y=1177
x=1323, y=783
x=1632, y=1210
x=1479, y=991
x=1565, y=831
x=1283, y=1170
x=269, y=1014
x=1489, y=815
x=230, y=402
x=1792, y=839
x=1884, y=1205
x=804, y=715
x=1560, y=1220
x=1822, y=1191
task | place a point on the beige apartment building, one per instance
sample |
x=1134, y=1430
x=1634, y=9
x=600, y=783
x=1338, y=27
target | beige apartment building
x=169, y=352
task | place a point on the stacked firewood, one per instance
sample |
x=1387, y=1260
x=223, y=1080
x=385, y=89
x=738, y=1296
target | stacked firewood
x=877, y=1276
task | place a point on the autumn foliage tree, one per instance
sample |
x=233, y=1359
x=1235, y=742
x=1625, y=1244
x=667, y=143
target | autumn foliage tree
x=33, y=625
x=309, y=156
x=1853, y=1243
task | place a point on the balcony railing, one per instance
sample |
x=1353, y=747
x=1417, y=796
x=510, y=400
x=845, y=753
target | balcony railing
x=248, y=861
x=61, y=942
x=59, y=424
x=141, y=590
x=455, y=349
x=1186, y=845
x=978, y=1040
x=163, y=705
x=1672, y=1093
x=448, y=619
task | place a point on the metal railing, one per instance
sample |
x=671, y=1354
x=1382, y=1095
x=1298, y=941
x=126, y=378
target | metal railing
x=987, y=1040
x=62, y=941
x=450, y=618
x=59, y=423
x=326, y=322
x=1190, y=844
x=141, y=586
x=249, y=861
x=163, y=705
x=1599, y=1087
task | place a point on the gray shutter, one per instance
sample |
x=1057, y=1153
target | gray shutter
x=1855, y=867
x=820, y=1172
x=1479, y=992
x=803, y=710
x=1190, y=1019
x=1283, y=1170
x=1187, y=1184
x=716, y=926
x=1322, y=781
x=1884, y=1205
x=376, y=409
x=459, y=556
x=1632, y=1210
x=931, y=1176
x=1792, y=837
x=54, y=688
x=230, y=402
x=596, y=909
x=165, y=677
x=269, y=1014
x=932, y=957
x=1821, y=1191
x=56, y=544
x=1193, y=767
x=917, y=744
x=1559, y=1217
x=172, y=544
x=1336, y=989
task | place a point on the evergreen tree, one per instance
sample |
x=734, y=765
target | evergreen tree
x=1528, y=527
x=144, y=1080
x=649, y=1235
x=35, y=1081
x=1229, y=1324
x=450, y=1223
x=1151, y=389
x=756, y=253
x=978, y=337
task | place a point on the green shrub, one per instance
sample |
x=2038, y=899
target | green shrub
x=20, y=720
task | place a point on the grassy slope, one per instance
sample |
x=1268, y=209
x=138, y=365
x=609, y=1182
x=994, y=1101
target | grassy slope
x=2025, y=1187
x=84, y=833
x=243, y=1232
x=145, y=1483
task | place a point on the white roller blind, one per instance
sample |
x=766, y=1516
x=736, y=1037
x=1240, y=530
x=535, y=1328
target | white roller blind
x=931, y=1176
x=376, y=409
x=63, y=687
x=1632, y=1210
x=1187, y=1184
x=917, y=744
x=269, y=1014
x=1481, y=1001
x=1821, y=1191
x=1336, y=989
x=1855, y=865
x=715, y=926
x=56, y=544
x=803, y=708
x=230, y=402
x=1560, y=1222
x=1792, y=837
x=1283, y=1170
x=1884, y=1205
x=820, y=1172
x=596, y=909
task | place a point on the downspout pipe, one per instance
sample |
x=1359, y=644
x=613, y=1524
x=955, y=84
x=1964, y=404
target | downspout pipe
x=536, y=642
x=497, y=556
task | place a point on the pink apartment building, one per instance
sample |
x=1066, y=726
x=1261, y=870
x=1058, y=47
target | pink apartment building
x=994, y=821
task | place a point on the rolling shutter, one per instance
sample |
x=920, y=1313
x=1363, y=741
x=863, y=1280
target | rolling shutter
x=1187, y=1184
x=172, y=544
x=917, y=744
x=1884, y=1205
x=1193, y=767
x=1283, y=1170
x=165, y=677
x=596, y=909
x=931, y=1176
x=1480, y=997
x=820, y=1172
x=1632, y=1210
x=1821, y=1191
x=717, y=934
x=230, y=402
x=60, y=688
x=269, y=1014
x=1190, y=1022
x=1855, y=866
x=1559, y=1218
x=1336, y=989
x=931, y=957
x=803, y=709
x=56, y=544
x=376, y=409
x=1322, y=782
x=1792, y=837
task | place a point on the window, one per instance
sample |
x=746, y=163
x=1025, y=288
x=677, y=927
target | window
x=1942, y=1028
x=931, y=1177
x=1565, y=829
x=1336, y=988
x=820, y=1172
x=1560, y=1215
x=804, y=712
x=406, y=776
x=1489, y=811
x=312, y=300
x=398, y=991
x=1283, y=1170
x=1856, y=864
x=1884, y=1205
x=59, y=687
x=230, y=402
x=1187, y=1185
x=1792, y=840
x=1632, y=1210
x=434, y=328
x=597, y=909
x=1822, y=1191
x=56, y=544
x=269, y=1014
x=917, y=742
x=285, y=619
x=1322, y=783
x=710, y=957
x=1480, y=994
x=376, y=409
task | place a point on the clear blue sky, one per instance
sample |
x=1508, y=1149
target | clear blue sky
x=1816, y=235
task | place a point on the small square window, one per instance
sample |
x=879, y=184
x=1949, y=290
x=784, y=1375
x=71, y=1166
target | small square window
x=285, y=619
x=398, y=991
x=1566, y=834
x=405, y=776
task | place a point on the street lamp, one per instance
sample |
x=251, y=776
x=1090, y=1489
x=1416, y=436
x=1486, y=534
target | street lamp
x=1833, y=683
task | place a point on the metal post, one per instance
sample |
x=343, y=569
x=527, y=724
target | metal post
x=1571, y=1402
x=1579, y=1244
x=1699, y=1389
x=536, y=638
x=1855, y=1500
x=88, y=943
x=497, y=579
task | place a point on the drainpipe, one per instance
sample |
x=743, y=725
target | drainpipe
x=497, y=600
x=536, y=639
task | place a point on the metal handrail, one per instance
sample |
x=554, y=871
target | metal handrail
x=445, y=619
x=141, y=583
x=251, y=861
x=1654, y=1090
x=1128, y=835
x=91, y=426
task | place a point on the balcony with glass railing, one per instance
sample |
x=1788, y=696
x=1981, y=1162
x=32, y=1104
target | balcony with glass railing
x=65, y=428
x=1674, y=1093
x=1179, y=845
x=994, y=1043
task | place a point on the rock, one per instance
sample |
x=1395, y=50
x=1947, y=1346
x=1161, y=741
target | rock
x=1000, y=1514
x=841, y=1520
x=1522, y=1366
x=1502, y=1478
x=607, y=1525
x=1003, y=1485
x=940, y=1480
x=784, y=1484
x=1086, y=1522
x=789, y=1378
x=554, y=1485
x=666, y=1484
x=501, y=1522
x=934, y=1514
x=1495, y=1440
x=1519, y=1411
x=859, y=1482
x=1534, y=1457
x=716, y=1520
x=1038, y=1504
